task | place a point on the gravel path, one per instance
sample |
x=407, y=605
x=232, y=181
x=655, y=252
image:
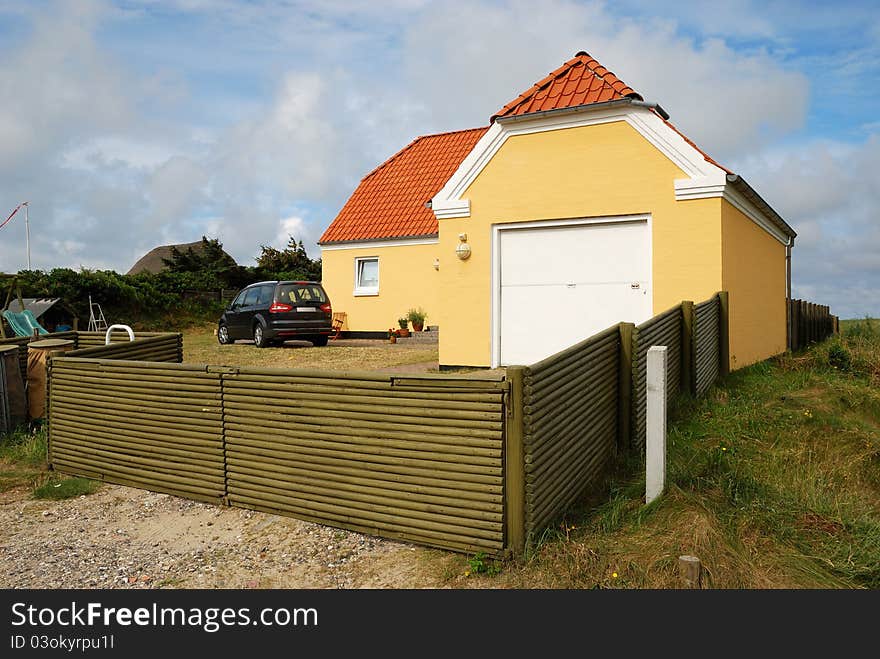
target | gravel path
x=123, y=537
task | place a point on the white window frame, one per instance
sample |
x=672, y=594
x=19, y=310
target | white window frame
x=360, y=291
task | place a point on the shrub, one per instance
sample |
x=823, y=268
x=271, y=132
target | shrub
x=839, y=357
x=150, y=300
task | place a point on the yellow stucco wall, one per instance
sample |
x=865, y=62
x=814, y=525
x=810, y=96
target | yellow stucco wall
x=407, y=278
x=753, y=273
x=591, y=171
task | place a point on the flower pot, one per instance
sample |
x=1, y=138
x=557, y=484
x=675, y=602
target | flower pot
x=418, y=327
x=403, y=332
x=392, y=338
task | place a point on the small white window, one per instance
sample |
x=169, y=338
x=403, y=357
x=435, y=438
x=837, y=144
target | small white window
x=366, y=276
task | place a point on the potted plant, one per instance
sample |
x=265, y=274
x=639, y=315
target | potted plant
x=392, y=335
x=404, y=330
x=417, y=318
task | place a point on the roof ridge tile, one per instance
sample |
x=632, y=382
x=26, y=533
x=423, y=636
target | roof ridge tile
x=553, y=91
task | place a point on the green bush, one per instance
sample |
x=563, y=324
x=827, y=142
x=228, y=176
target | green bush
x=149, y=300
x=839, y=357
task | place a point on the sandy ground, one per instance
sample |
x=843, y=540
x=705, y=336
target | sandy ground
x=123, y=537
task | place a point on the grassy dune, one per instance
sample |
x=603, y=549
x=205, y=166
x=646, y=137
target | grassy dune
x=773, y=482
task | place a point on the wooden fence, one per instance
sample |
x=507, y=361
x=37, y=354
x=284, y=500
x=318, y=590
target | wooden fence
x=706, y=340
x=414, y=458
x=571, y=412
x=82, y=340
x=810, y=323
x=151, y=425
x=460, y=462
x=569, y=424
x=148, y=347
x=665, y=330
x=222, y=296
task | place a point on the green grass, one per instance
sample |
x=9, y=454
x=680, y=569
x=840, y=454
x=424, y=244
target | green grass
x=773, y=480
x=22, y=458
x=860, y=326
x=66, y=488
x=23, y=465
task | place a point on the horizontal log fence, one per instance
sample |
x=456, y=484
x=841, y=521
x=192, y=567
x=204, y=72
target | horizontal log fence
x=83, y=340
x=410, y=458
x=459, y=462
x=573, y=411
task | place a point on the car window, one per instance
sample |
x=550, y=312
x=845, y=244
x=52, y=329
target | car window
x=239, y=299
x=266, y=293
x=251, y=296
x=297, y=293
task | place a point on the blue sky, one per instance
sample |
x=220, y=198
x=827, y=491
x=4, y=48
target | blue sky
x=134, y=123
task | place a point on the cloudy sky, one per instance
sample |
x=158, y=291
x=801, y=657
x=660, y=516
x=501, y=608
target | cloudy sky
x=134, y=123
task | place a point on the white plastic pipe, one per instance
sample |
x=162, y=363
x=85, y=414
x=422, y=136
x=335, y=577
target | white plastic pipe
x=122, y=327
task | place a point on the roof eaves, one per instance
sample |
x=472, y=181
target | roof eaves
x=380, y=239
x=604, y=105
x=749, y=192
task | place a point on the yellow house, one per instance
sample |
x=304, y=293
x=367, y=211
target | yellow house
x=579, y=206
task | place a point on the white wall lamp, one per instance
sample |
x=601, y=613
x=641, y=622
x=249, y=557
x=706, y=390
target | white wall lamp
x=463, y=251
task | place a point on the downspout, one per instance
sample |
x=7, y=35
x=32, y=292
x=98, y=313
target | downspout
x=651, y=105
x=788, y=318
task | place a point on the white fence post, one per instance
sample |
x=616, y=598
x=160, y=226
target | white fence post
x=655, y=443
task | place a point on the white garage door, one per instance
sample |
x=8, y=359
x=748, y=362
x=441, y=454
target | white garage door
x=561, y=284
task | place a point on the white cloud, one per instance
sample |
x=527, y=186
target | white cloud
x=728, y=102
x=827, y=191
x=290, y=226
x=120, y=149
x=119, y=155
x=288, y=146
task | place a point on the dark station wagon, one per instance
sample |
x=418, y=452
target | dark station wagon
x=271, y=312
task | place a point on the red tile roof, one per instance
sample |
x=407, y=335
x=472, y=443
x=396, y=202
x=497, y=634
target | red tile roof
x=580, y=81
x=390, y=200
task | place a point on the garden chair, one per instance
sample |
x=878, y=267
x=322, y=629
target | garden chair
x=338, y=321
x=23, y=323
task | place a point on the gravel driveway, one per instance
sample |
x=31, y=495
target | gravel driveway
x=123, y=537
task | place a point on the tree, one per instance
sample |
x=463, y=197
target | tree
x=290, y=263
x=205, y=258
x=213, y=267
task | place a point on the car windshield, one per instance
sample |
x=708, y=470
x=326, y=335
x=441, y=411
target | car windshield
x=301, y=294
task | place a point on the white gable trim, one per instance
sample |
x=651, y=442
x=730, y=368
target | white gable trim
x=705, y=179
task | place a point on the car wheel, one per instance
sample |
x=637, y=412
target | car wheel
x=319, y=341
x=260, y=336
x=223, y=335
